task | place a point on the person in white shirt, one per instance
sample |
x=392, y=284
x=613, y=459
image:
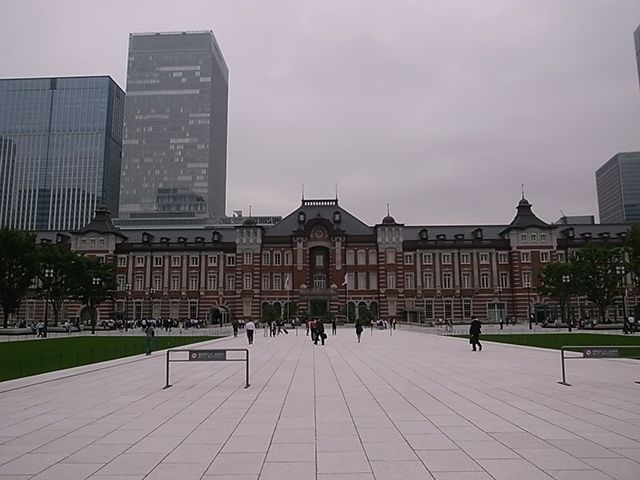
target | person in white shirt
x=250, y=327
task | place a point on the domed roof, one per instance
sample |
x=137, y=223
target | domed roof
x=389, y=220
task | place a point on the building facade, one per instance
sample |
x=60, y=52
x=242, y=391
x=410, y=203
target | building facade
x=60, y=150
x=320, y=259
x=618, y=186
x=175, y=147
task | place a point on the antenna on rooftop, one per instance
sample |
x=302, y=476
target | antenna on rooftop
x=303, y=192
x=387, y=209
x=336, y=191
x=522, y=185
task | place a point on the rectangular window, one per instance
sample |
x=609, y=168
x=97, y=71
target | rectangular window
x=287, y=257
x=362, y=281
x=139, y=261
x=246, y=306
x=101, y=242
x=393, y=306
x=138, y=282
x=121, y=280
x=373, y=257
x=248, y=258
x=526, y=257
x=174, y=308
x=448, y=308
x=466, y=308
x=92, y=242
x=362, y=257
x=122, y=261
x=526, y=279
x=408, y=258
x=410, y=303
x=277, y=258
x=504, y=279
x=484, y=280
x=391, y=280
x=428, y=309
x=543, y=237
x=266, y=281
x=350, y=257
x=212, y=260
x=277, y=281
x=391, y=255
x=466, y=279
x=193, y=281
x=212, y=281
x=446, y=258
x=351, y=279
x=156, y=311
x=194, y=260
x=465, y=258
x=503, y=257
x=534, y=237
x=246, y=282
x=319, y=260
x=523, y=237
x=157, y=282
x=230, y=281
x=446, y=280
x=230, y=260
x=409, y=280
x=544, y=257
x=427, y=258
x=373, y=281
x=319, y=281
x=427, y=280
x=175, y=261
x=266, y=258
x=157, y=261
x=561, y=257
x=175, y=282
x=483, y=257
x=193, y=309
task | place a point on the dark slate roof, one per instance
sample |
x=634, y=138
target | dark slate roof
x=321, y=209
x=102, y=224
x=227, y=234
x=525, y=218
x=489, y=232
x=595, y=230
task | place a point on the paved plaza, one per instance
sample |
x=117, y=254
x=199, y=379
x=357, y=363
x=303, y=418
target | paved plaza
x=406, y=406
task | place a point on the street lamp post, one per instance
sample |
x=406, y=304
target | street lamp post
x=500, y=307
x=625, y=326
x=565, y=283
x=48, y=275
x=527, y=284
x=126, y=306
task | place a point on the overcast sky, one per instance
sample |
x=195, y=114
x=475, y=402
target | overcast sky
x=440, y=108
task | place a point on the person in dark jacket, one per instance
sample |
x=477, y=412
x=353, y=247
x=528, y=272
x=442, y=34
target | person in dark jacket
x=474, y=333
x=320, y=335
x=358, y=330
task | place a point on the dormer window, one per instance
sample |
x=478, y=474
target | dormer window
x=216, y=237
x=199, y=239
x=337, y=217
x=302, y=217
x=441, y=236
x=478, y=234
x=424, y=234
x=164, y=239
x=182, y=239
x=146, y=237
x=586, y=235
x=604, y=235
x=459, y=236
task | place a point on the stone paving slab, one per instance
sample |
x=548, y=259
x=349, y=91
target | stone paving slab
x=404, y=406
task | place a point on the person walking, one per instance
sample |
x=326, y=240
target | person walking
x=358, y=330
x=250, y=327
x=474, y=333
x=320, y=335
x=334, y=326
x=236, y=325
x=149, y=333
x=312, y=329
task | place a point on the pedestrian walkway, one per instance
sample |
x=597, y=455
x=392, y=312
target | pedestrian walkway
x=404, y=406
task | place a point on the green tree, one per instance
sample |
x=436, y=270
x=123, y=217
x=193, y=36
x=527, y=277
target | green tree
x=58, y=270
x=595, y=271
x=290, y=310
x=558, y=280
x=270, y=313
x=94, y=283
x=18, y=268
x=632, y=247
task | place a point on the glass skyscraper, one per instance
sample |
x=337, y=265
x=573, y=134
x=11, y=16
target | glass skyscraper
x=60, y=150
x=175, y=147
x=618, y=185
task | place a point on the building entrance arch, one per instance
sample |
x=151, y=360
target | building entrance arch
x=219, y=314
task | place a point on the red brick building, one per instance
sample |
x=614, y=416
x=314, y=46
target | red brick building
x=320, y=258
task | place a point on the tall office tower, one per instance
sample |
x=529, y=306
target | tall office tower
x=175, y=147
x=618, y=185
x=636, y=37
x=60, y=150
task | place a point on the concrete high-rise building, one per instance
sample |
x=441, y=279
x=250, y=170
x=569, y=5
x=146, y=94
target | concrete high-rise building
x=60, y=150
x=175, y=148
x=618, y=185
x=636, y=37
